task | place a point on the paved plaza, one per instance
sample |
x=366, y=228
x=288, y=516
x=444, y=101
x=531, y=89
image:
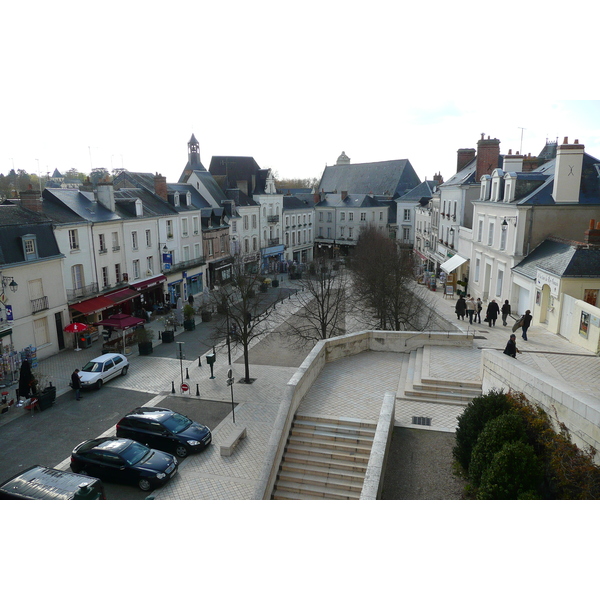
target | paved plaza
x=351, y=387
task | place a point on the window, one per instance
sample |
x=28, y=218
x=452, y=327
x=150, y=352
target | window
x=254, y=222
x=222, y=243
x=329, y=232
x=115, y=241
x=287, y=221
x=148, y=238
x=134, y=240
x=73, y=239
x=342, y=216
x=342, y=231
x=211, y=247
x=491, y=234
x=480, y=230
x=254, y=244
x=184, y=227
x=246, y=222
x=304, y=236
x=329, y=217
x=233, y=226
x=407, y=214
x=321, y=217
x=150, y=264
x=196, y=250
x=320, y=232
x=502, y=238
x=293, y=220
x=186, y=253
x=196, y=228
x=169, y=229
x=381, y=215
x=105, y=281
x=117, y=273
x=77, y=276
x=136, y=269
x=405, y=234
x=101, y=243
x=40, y=332
x=363, y=216
x=499, y=283
x=293, y=238
x=351, y=216
x=247, y=244
x=477, y=265
x=176, y=199
x=30, y=246
x=350, y=230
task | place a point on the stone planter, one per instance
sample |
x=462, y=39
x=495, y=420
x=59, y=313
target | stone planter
x=168, y=337
x=275, y=283
x=189, y=325
x=206, y=316
x=145, y=348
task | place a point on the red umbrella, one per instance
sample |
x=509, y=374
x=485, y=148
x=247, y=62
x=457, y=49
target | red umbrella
x=74, y=328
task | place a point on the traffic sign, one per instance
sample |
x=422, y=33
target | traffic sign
x=185, y=387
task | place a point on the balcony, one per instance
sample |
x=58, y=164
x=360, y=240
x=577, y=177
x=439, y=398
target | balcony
x=273, y=242
x=82, y=292
x=273, y=219
x=187, y=264
x=39, y=304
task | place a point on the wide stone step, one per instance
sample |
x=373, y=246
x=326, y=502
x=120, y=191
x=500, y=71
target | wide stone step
x=287, y=495
x=335, y=453
x=449, y=383
x=327, y=481
x=330, y=420
x=318, y=491
x=325, y=461
x=306, y=425
x=440, y=395
x=328, y=471
x=351, y=445
x=320, y=435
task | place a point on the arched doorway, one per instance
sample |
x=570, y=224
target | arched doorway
x=545, y=303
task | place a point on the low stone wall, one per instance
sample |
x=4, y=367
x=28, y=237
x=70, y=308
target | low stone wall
x=373, y=482
x=578, y=411
x=327, y=351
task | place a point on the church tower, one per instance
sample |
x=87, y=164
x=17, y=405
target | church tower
x=193, y=163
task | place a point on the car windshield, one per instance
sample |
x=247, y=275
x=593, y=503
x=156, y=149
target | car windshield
x=92, y=367
x=134, y=453
x=177, y=423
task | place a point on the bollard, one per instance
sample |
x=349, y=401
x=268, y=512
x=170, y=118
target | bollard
x=197, y=389
x=187, y=375
x=199, y=361
x=160, y=335
x=172, y=387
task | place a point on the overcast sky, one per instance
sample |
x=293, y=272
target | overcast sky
x=125, y=84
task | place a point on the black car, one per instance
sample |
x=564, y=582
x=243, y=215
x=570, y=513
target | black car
x=123, y=461
x=164, y=429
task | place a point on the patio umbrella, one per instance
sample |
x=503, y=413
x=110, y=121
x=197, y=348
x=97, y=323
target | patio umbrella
x=76, y=328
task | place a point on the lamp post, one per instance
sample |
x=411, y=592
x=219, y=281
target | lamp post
x=7, y=281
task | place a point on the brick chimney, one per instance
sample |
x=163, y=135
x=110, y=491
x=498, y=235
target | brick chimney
x=31, y=199
x=567, y=172
x=592, y=235
x=464, y=157
x=529, y=163
x=160, y=186
x=438, y=179
x=488, y=152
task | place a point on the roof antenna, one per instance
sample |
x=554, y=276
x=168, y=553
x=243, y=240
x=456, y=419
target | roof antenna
x=521, y=148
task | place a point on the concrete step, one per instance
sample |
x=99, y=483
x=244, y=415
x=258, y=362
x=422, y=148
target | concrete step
x=287, y=495
x=351, y=445
x=318, y=491
x=331, y=452
x=334, y=428
x=323, y=471
x=318, y=460
x=320, y=434
x=327, y=481
x=449, y=383
x=337, y=420
x=440, y=396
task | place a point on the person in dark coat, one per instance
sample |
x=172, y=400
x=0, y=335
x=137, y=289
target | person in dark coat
x=479, y=306
x=511, y=346
x=26, y=380
x=527, y=318
x=76, y=384
x=505, y=312
x=492, y=313
x=461, y=308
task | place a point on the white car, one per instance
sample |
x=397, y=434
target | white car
x=99, y=370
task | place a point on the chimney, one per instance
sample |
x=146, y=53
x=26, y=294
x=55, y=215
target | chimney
x=438, y=178
x=160, y=186
x=592, y=235
x=529, y=163
x=31, y=199
x=513, y=163
x=464, y=157
x=488, y=152
x=567, y=172
x=344, y=195
x=105, y=194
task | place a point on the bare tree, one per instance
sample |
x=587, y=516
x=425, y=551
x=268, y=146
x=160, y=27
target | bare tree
x=321, y=305
x=245, y=308
x=383, y=284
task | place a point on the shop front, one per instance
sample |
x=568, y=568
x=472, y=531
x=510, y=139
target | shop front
x=151, y=291
x=219, y=272
x=271, y=258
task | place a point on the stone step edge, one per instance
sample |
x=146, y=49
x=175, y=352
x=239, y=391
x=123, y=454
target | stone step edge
x=318, y=490
x=353, y=466
x=321, y=480
x=329, y=452
x=333, y=436
x=360, y=448
x=322, y=471
x=337, y=420
x=366, y=432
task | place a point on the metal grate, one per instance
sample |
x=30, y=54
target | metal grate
x=421, y=421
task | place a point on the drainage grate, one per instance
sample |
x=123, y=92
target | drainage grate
x=421, y=421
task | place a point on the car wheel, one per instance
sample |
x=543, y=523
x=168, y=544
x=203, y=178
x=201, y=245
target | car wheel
x=99, y=384
x=181, y=451
x=124, y=370
x=144, y=485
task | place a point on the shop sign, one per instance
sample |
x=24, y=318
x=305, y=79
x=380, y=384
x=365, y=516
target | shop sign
x=551, y=281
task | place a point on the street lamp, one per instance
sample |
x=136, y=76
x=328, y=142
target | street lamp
x=505, y=222
x=12, y=285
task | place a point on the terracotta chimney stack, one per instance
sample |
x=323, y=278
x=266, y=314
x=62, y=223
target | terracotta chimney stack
x=488, y=152
x=160, y=186
x=464, y=157
x=31, y=199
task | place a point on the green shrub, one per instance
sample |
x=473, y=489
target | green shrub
x=480, y=410
x=514, y=473
x=508, y=427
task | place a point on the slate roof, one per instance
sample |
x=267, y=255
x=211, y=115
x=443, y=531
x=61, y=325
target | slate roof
x=351, y=201
x=82, y=204
x=15, y=222
x=152, y=205
x=561, y=258
x=211, y=185
x=391, y=178
x=294, y=203
x=423, y=190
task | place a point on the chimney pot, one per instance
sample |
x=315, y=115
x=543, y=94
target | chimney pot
x=576, y=142
x=566, y=140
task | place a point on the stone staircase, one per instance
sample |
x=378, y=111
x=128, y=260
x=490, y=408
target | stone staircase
x=325, y=459
x=416, y=384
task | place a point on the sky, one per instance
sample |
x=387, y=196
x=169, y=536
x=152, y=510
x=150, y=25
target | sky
x=125, y=84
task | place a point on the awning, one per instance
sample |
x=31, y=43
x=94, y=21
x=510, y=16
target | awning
x=144, y=284
x=123, y=322
x=453, y=263
x=5, y=332
x=122, y=296
x=87, y=307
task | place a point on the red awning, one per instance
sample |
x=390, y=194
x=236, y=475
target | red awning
x=122, y=296
x=144, y=284
x=87, y=307
x=121, y=321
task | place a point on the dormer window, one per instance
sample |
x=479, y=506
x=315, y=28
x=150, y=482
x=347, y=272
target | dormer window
x=30, y=247
x=188, y=198
x=176, y=199
x=139, y=211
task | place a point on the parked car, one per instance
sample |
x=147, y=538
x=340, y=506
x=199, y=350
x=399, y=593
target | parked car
x=101, y=369
x=164, y=429
x=124, y=461
x=44, y=483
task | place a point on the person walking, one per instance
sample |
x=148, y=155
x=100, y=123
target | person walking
x=470, y=309
x=76, y=384
x=527, y=318
x=505, y=312
x=492, y=313
x=26, y=380
x=460, y=308
x=511, y=346
x=479, y=306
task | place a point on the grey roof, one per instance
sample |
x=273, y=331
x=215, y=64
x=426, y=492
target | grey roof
x=463, y=177
x=561, y=258
x=211, y=185
x=294, y=203
x=423, y=190
x=390, y=178
x=351, y=201
x=15, y=222
x=152, y=205
x=82, y=204
x=197, y=199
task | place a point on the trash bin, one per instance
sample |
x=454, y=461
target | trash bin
x=85, y=339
